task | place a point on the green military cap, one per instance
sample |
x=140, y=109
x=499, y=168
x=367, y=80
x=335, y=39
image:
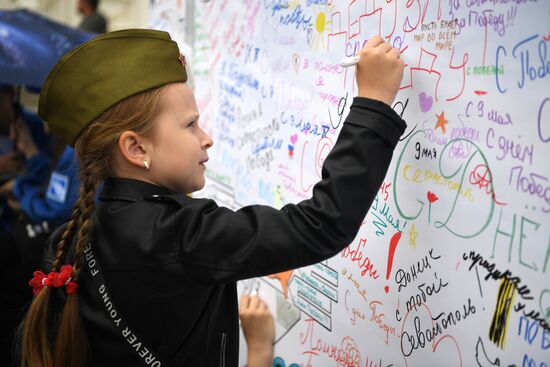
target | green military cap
x=102, y=72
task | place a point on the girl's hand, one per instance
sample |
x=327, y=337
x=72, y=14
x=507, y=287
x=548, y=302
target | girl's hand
x=379, y=71
x=259, y=330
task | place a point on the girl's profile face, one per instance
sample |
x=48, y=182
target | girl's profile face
x=180, y=145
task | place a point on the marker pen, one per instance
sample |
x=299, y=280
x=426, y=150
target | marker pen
x=349, y=61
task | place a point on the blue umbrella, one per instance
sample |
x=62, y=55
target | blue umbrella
x=30, y=45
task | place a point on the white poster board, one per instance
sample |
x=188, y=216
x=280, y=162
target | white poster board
x=451, y=266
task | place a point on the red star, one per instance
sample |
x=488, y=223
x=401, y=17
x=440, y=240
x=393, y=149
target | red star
x=181, y=58
x=441, y=122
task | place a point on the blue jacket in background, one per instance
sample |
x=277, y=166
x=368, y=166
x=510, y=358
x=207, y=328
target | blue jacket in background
x=56, y=203
x=36, y=128
x=42, y=141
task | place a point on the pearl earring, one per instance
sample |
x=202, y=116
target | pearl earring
x=146, y=164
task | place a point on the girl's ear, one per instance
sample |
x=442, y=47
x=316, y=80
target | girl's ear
x=134, y=148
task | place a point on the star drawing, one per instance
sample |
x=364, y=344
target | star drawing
x=441, y=122
x=413, y=235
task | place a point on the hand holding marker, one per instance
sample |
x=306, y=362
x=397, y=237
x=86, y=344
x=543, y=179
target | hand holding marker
x=376, y=61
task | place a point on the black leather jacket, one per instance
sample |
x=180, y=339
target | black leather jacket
x=170, y=262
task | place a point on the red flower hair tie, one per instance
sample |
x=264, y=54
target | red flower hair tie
x=54, y=279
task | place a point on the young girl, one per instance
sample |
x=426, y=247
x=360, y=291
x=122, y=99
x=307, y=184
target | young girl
x=147, y=276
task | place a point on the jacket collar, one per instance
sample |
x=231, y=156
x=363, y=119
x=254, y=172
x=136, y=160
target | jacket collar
x=131, y=190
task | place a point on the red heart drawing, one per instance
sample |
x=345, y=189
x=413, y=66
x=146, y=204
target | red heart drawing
x=432, y=197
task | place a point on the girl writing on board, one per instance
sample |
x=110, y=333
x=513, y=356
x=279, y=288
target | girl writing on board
x=146, y=275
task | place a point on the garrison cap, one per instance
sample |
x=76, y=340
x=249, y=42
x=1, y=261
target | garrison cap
x=104, y=71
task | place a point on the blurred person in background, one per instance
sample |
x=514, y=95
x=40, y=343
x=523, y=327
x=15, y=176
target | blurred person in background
x=10, y=111
x=43, y=191
x=93, y=21
x=12, y=160
x=38, y=200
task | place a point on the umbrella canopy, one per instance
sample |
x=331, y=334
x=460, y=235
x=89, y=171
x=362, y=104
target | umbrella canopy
x=30, y=45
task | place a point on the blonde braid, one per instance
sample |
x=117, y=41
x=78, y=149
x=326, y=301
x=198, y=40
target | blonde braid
x=87, y=206
x=70, y=330
x=65, y=237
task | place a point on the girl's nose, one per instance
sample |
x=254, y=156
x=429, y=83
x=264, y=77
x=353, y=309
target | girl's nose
x=207, y=140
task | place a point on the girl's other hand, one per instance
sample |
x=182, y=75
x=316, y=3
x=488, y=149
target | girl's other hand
x=259, y=330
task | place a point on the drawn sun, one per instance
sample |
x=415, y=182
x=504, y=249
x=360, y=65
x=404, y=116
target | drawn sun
x=316, y=34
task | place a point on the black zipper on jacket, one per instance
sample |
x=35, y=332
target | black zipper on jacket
x=222, y=349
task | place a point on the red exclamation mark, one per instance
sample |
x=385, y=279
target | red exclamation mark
x=393, y=245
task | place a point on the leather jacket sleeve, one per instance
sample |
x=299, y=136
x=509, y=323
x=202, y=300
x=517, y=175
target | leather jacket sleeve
x=219, y=245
